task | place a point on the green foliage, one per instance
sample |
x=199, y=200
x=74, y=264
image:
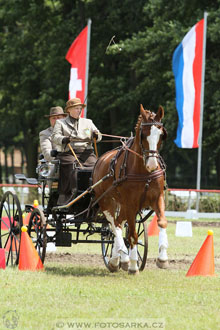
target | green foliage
x=207, y=203
x=130, y=63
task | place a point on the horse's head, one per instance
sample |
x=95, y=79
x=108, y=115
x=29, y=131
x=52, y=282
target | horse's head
x=151, y=134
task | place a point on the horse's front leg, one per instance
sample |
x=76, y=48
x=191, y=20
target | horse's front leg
x=162, y=260
x=133, y=253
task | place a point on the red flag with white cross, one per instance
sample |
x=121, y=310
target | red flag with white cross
x=77, y=56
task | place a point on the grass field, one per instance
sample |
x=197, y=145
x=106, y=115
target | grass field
x=84, y=294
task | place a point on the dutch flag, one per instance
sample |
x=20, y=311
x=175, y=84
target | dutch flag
x=187, y=69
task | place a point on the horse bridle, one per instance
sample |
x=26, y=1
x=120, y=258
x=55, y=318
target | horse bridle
x=151, y=153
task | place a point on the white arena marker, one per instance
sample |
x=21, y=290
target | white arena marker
x=184, y=228
x=51, y=247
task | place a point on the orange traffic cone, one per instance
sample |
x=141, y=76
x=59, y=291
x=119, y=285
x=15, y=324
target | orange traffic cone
x=27, y=218
x=203, y=264
x=28, y=257
x=153, y=229
x=2, y=258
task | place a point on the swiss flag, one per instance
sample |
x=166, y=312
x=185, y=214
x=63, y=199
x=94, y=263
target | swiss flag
x=76, y=56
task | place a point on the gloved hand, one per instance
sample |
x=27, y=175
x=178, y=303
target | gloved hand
x=54, y=153
x=95, y=135
x=66, y=140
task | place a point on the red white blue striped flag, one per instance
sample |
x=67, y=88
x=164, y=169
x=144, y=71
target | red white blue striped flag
x=187, y=69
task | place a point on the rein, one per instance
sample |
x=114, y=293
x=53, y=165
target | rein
x=137, y=154
x=132, y=151
x=115, y=136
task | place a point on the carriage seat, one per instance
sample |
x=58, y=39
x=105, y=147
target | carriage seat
x=83, y=178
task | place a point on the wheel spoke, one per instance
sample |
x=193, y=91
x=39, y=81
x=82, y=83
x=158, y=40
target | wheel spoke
x=140, y=257
x=107, y=243
x=142, y=245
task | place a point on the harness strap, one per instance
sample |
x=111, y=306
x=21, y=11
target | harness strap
x=114, y=184
x=145, y=177
x=154, y=122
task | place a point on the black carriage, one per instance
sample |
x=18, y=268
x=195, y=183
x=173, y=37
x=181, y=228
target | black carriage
x=80, y=221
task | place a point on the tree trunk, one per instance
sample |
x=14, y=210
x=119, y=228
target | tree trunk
x=0, y=168
x=6, y=166
x=217, y=164
x=22, y=161
x=12, y=166
x=31, y=148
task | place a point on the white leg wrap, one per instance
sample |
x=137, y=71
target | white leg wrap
x=119, y=244
x=163, y=245
x=133, y=258
x=124, y=256
x=119, y=249
x=133, y=253
x=115, y=251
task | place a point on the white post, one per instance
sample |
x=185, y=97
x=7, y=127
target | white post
x=201, y=114
x=87, y=65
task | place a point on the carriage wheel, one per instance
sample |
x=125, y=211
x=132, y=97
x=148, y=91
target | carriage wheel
x=107, y=238
x=37, y=231
x=10, y=227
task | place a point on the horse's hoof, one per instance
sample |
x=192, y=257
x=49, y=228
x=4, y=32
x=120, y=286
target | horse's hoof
x=113, y=268
x=124, y=266
x=133, y=271
x=162, y=264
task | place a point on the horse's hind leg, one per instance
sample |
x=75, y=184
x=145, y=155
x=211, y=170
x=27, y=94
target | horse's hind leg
x=122, y=249
x=119, y=249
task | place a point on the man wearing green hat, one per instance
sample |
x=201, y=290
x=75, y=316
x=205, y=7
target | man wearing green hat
x=48, y=148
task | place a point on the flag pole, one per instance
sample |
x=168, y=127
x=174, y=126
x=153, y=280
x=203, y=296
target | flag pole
x=199, y=159
x=87, y=65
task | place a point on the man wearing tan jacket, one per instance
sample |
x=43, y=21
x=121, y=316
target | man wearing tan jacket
x=48, y=148
x=78, y=133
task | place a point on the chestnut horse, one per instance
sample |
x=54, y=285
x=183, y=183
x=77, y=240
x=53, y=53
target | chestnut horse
x=136, y=183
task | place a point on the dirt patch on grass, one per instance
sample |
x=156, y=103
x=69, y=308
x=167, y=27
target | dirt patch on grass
x=77, y=259
x=95, y=260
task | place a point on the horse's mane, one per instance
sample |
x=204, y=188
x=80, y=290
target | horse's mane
x=148, y=116
x=137, y=127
